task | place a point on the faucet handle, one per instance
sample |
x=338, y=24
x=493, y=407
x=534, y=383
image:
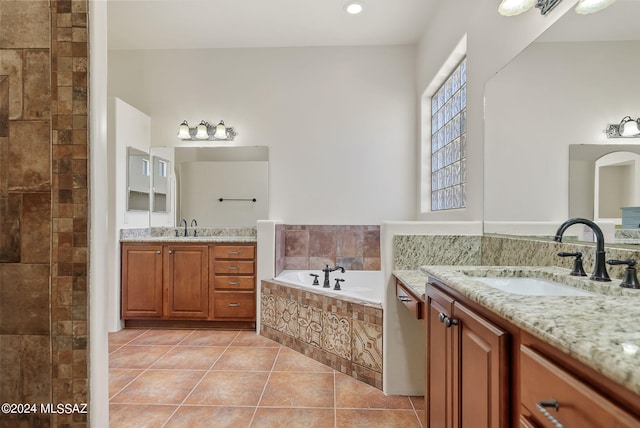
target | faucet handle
x=338, y=281
x=315, y=278
x=578, y=269
x=630, y=279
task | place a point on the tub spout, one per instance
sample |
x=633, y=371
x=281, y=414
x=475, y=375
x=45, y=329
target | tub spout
x=326, y=271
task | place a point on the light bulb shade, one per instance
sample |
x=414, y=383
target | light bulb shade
x=629, y=127
x=515, y=7
x=183, y=131
x=221, y=131
x=585, y=7
x=201, y=131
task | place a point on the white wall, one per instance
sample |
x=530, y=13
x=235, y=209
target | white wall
x=339, y=122
x=551, y=96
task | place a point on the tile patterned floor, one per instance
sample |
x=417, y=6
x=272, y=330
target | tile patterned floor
x=210, y=378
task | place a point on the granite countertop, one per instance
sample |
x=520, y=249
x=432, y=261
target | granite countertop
x=591, y=329
x=190, y=239
x=414, y=279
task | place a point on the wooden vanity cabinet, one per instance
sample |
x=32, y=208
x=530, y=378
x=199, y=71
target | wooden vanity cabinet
x=545, y=383
x=188, y=282
x=234, y=282
x=142, y=281
x=467, y=366
x=409, y=299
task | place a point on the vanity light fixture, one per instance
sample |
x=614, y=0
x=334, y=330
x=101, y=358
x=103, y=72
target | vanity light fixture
x=516, y=7
x=354, y=7
x=205, y=131
x=585, y=7
x=627, y=128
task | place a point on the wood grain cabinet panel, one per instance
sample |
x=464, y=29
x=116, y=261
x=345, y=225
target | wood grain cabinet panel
x=142, y=281
x=187, y=281
x=467, y=381
x=543, y=383
x=233, y=278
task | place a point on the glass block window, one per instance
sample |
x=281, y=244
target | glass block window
x=449, y=142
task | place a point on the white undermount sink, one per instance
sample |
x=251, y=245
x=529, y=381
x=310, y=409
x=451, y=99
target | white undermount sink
x=527, y=286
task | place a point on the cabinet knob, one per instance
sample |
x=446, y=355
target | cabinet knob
x=158, y=252
x=447, y=320
x=170, y=251
x=542, y=408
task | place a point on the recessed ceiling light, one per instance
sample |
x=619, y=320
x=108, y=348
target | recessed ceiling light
x=353, y=7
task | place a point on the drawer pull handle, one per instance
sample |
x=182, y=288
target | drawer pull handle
x=234, y=305
x=234, y=253
x=234, y=267
x=234, y=283
x=542, y=407
x=404, y=298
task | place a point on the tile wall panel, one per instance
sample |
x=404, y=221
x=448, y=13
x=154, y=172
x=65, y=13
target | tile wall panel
x=43, y=207
x=355, y=247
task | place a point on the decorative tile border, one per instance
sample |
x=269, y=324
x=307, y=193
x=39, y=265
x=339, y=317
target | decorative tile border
x=341, y=334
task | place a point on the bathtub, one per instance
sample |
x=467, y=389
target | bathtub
x=361, y=285
x=342, y=329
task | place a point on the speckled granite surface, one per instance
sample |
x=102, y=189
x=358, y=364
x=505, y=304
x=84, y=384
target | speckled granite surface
x=203, y=234
x=591, y=329
x=628, y=236
x=415, y=279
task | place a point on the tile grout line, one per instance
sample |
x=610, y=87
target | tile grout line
x=201, y=379
x=150, y=367
x=335, y=400
x=264, y=388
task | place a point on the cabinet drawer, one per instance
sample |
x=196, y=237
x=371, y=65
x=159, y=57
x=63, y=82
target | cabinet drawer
x=234, y=305
x=579, y=405
x=234, y=252
x=232, y=267
x=411, y=303
x=234, y=282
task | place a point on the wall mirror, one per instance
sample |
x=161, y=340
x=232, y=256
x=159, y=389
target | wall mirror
x=138, y=179
x=216, y=186
x=546, y=111
x=161, y=174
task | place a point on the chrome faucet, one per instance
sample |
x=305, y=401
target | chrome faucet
x=326, y=271
x=599, y=267
x=185, y=226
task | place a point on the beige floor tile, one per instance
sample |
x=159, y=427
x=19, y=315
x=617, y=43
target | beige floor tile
x=229, y=388
x=139, y=416
x=304, y=418
x=211, y=416
x=209, y=338
x=352, y=394
x=119, y=378
x=239, y=358
x=367, y=418
x=124, y=336
x=159, y=387
x=161, y=337
x=290, y=360
x=292, y=389
x=137, y=357
x=188, y=357
x=250, y=338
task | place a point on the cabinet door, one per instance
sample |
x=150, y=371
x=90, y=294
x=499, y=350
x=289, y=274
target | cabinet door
x=439, y=398
x=480, y=371
x=187, y=281
x=141, y=281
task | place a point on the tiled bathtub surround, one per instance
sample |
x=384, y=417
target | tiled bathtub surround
x=342, y=334
x=43, y=208
x=313, y=247
x=412, y=251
